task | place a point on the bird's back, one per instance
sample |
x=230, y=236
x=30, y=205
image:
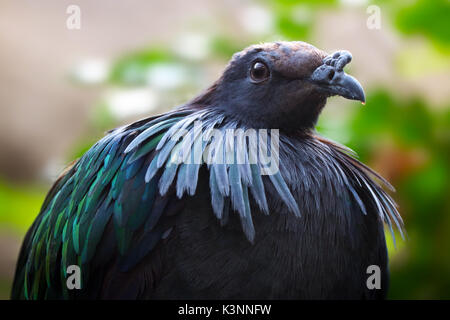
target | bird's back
x=140, y=227
x=325, y=254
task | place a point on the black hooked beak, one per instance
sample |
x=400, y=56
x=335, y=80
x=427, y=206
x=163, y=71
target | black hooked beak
x=332, y=79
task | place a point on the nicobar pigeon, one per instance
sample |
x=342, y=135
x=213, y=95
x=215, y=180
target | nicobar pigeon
x=143, y=220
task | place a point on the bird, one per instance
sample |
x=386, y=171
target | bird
x=232, y=195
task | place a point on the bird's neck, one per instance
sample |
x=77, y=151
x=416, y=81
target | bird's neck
x=301, y=118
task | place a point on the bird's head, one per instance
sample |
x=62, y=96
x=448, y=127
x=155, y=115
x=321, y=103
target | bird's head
x=281, y=85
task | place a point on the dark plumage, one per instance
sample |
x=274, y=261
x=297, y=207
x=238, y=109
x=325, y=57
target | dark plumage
x=142, y=225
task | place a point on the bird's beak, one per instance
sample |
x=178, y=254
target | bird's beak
x=331, y=78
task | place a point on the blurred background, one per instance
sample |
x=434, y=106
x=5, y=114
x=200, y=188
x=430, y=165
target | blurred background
x=68, y=74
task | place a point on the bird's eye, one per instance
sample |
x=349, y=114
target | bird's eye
x=259, y=71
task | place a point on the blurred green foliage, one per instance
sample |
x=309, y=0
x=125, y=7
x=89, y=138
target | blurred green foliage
x=294, y=19
x=407, y=140
x=430, y=18
x=19, y=205
x=131, y=68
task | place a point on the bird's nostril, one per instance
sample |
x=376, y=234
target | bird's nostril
x=331, y=75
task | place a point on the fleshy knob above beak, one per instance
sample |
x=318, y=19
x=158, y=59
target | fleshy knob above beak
x=331, y=77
